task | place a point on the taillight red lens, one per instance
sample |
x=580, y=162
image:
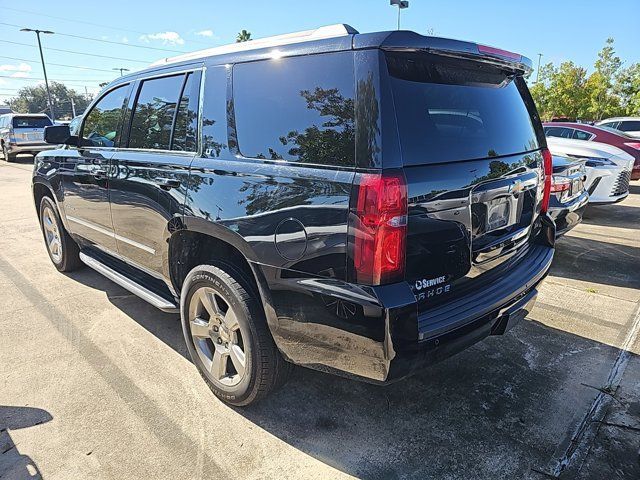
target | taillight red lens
x=634, y=145
x=547, y=162
x=381, y=230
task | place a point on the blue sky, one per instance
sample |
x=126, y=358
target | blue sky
x=560, y=30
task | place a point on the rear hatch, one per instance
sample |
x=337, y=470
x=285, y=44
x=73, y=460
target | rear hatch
x=29, y=129
x=470, y=142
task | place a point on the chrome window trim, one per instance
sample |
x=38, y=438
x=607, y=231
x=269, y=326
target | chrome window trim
x=140, y=81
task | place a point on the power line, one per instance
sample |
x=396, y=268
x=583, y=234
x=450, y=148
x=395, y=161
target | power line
x=56, y=79
x=76, y=53
x=109, y=27
x=103, y=41
x=57, y=64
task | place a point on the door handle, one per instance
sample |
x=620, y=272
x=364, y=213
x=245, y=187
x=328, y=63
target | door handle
x=167, y=183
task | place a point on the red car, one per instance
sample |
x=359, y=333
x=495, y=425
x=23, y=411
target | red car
x=581, y=131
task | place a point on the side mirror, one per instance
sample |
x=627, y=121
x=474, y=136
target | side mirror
x=59, y=134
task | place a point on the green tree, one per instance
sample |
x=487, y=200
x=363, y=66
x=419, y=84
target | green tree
x=561, y=91
x=34, y=100
x=243, y=36
x=627, y=88
x=602, y=100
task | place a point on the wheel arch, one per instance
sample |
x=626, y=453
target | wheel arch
x=201, y=241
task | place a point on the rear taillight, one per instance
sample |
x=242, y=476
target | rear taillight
x=380, y=228
x=560, y=184
x=634, y=145
x=547, y=163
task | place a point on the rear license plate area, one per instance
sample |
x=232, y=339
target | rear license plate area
x=499, y=214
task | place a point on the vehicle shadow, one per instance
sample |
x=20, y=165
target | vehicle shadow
x=617, y=215
x=500, y=409
x=634, y=189
x=597, y=261
x=24, y=159
x=13, y=464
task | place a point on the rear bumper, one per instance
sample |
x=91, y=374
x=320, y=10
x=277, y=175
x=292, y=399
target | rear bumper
x=490, y=311
x=444, y=346
x=568, y=215
x=29, y=147
x=377, y=334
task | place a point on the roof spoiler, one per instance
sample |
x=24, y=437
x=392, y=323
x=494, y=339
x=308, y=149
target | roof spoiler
x=410, y=41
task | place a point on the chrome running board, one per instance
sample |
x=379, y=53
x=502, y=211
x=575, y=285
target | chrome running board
x=125, y=282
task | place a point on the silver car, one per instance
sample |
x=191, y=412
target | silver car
x=23, y=133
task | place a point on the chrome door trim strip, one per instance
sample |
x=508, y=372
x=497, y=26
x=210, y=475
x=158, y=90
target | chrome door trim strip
x=111, y=233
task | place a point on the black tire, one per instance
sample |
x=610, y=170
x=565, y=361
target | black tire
x=265, y=368
x=6, y=155
x=68, y=258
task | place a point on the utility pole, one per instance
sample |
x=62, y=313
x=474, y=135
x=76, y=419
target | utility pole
x=402, y=4
x=538, y=72
x=44, y=69
x=121, y=70
x=73, y=108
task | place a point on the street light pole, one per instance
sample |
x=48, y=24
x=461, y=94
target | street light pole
x=401, y=4
x=121, y=70
x=44, y=68
x=538, y=71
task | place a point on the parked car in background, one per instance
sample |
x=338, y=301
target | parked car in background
x=569, y=196
x=363, y=204
x=22, y=133
x=5, y=109
x=602, y=134
x=608, y=168
x=628, y=125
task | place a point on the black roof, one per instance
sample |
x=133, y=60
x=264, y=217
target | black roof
x=398, y=40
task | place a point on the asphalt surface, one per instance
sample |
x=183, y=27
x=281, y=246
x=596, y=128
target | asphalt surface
x=95, y=383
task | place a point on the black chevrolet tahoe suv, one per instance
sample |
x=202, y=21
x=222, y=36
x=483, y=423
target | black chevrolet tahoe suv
x=361, y=204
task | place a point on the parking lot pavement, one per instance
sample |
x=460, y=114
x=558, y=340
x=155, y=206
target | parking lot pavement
x=94, y=383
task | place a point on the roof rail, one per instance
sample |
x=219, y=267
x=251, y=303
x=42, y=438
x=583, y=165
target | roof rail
x=328, y=31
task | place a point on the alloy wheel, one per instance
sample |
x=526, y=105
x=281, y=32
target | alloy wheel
x=52, y=234
x=217, y=337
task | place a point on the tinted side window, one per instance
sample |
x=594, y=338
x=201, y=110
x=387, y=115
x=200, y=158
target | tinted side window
x=629, y=126
x=553, y=131
x=154, y=111
x=185, y=131
x=214, y=112
x=297, y=109
x=103, y=124
x=580, y=135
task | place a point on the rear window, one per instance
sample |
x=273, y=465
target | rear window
x=31, y=122
x=452, y=110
